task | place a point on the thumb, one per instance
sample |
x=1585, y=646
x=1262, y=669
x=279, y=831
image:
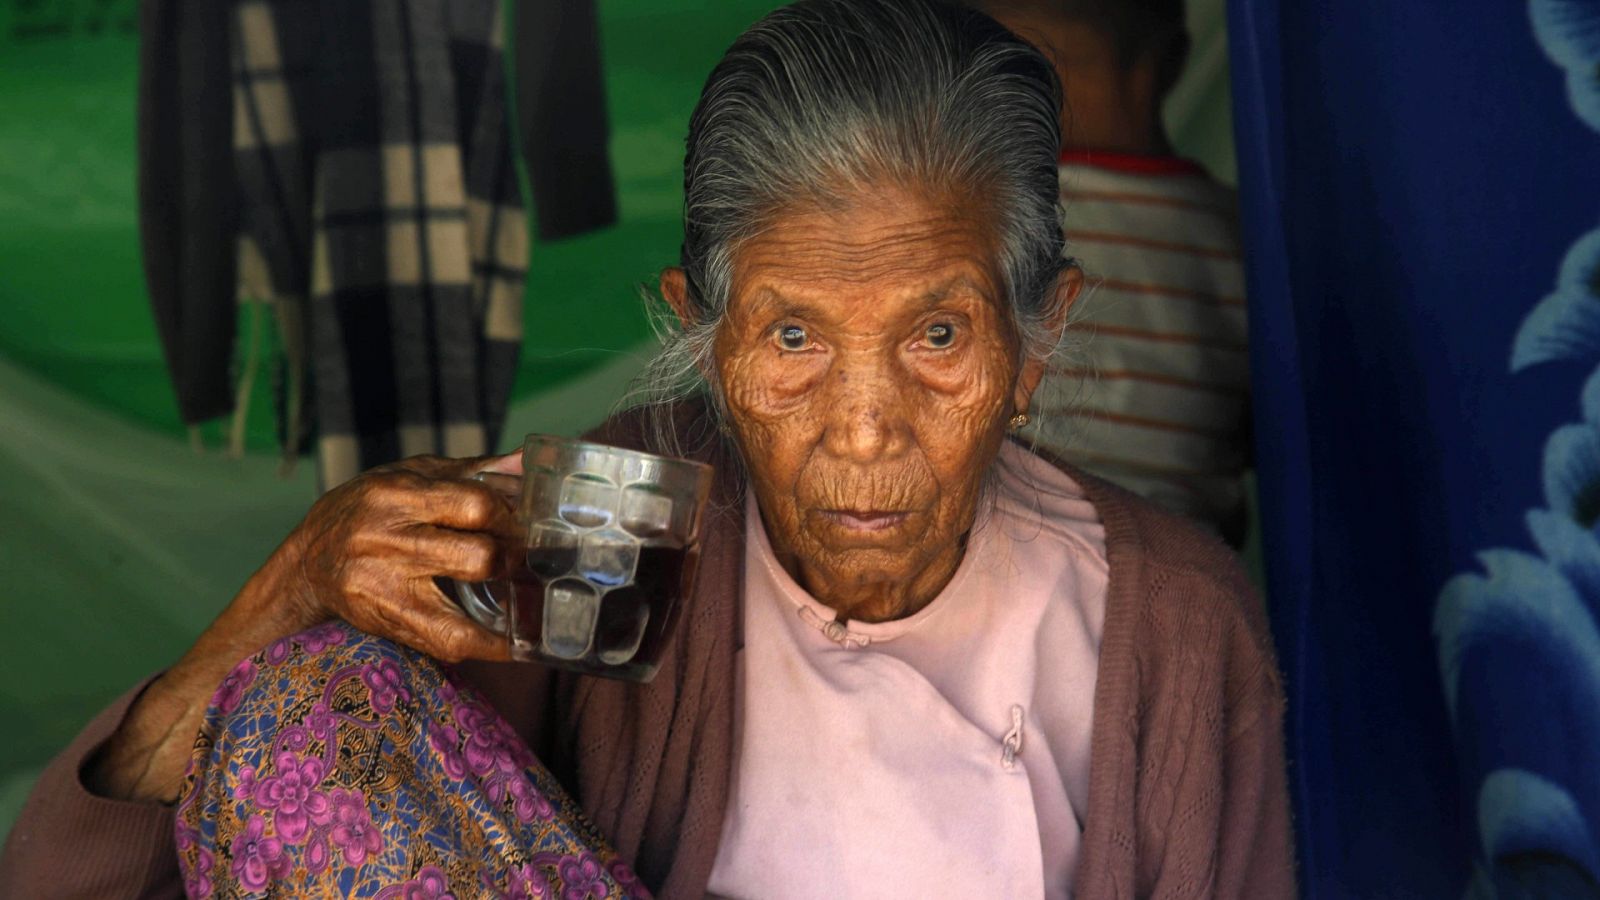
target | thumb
x=510, y=464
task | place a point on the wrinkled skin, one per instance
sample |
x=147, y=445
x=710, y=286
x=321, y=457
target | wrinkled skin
x=370, y=549
x=870, y=368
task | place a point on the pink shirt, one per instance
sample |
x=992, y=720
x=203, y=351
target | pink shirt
x=944, y=754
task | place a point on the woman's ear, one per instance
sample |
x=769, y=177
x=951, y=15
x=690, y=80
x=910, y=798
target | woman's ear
x=675, y=290
x=1069, y=284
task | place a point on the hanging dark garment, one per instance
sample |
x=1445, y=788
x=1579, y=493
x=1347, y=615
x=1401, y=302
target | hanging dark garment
x=378, y=209
x=561, y=108
x=186, y=196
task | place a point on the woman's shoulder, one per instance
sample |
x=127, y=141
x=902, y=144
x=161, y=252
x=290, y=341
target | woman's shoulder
x=1042, y=506
x=1174, y=571
x=1183, y=614
x=1144, y=535
x=1156, y=538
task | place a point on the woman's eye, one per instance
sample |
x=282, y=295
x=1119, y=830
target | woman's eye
x=940, y=335
x=793, y=337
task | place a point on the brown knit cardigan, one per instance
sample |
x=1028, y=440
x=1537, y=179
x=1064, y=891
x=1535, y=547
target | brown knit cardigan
x=1187, y=787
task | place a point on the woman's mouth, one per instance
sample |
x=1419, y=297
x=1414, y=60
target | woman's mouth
x=865, y=521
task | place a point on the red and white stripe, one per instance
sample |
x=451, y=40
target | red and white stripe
x=1151, y=387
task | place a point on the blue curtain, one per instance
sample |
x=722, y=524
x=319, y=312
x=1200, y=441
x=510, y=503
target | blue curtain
x=1420, y=187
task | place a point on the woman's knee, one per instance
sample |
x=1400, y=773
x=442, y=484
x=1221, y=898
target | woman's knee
x=292, y=668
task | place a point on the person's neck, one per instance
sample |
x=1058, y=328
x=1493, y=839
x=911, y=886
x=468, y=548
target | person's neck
x=1097, y=125
x=1107, y=109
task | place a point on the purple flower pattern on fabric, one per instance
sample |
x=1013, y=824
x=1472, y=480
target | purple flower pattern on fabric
x=430, y=884
x=526, y=882
x=197, y=881
x=321, y=721
x=336, y=763
x=196, y=878
x=387, y=684
x=445, y=739
x=315, y=640
x=292, y=794
x=353, y=831
x=447, y=692
x=234, y=685
x=485, y=747
x=584, y=876
x=276, y=652
x=245, y=788
x=526, y=801
x=257, y=857
x=628, y=882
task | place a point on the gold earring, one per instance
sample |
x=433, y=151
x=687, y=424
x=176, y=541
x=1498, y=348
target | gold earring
x=1019, y=420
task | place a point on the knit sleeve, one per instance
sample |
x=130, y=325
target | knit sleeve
x=1216, y=739
x=1255, y=840
x=1255, y=843
x=71, y=843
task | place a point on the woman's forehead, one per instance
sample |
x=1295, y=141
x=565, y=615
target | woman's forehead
x=953, y=288
x=908, y=247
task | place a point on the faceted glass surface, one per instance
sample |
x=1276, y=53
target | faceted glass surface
x=608, y=558
x=539, y=492
x=627, y=612
x=552, y=548
x=646, y=511
x=608, y=550
x=570, y=610
x=588, y=501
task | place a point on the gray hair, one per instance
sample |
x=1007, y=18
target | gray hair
x=824, y=97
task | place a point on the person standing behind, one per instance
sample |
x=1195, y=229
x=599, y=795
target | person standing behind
x=1154, y=391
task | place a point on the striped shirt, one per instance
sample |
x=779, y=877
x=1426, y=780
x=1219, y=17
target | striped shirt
x=1151, y=387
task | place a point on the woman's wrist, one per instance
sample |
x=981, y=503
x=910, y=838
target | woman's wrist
x=144, y=758
x=274, y=603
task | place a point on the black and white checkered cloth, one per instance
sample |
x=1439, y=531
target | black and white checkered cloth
x=380, y=215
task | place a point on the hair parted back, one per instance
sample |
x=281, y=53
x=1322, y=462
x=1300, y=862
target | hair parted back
x=823, y=98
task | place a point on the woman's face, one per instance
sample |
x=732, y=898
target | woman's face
x=870, y=368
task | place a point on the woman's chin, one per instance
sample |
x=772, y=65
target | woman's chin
x=861, y=571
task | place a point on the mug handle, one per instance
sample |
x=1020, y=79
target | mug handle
x=476, y=598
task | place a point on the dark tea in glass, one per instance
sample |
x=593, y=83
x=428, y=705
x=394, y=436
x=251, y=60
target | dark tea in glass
x=621, y=632
x=610, y=552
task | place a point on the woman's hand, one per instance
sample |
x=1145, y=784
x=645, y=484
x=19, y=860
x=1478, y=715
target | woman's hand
x=366, y=552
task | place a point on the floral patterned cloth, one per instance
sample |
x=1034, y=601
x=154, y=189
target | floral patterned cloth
x=337, y=763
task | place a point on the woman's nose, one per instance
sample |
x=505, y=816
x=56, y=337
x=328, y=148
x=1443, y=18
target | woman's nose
x=866, y=416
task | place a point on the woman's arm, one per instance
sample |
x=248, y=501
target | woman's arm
x=144, y=758
x=1255, y=842
x=1254, y=837
x=367, y=552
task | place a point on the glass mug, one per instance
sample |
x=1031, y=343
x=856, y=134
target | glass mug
x=610, y=544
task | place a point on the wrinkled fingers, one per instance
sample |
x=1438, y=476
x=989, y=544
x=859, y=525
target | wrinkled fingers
x=416, y=613
x=429, y=550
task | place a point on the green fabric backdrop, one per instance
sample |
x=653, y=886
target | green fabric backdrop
x=117, y=542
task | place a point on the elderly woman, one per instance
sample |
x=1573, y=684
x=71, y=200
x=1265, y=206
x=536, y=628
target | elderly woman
x=919, y=660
